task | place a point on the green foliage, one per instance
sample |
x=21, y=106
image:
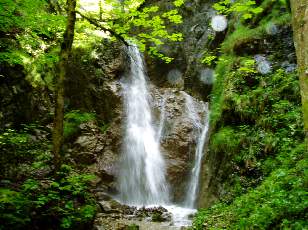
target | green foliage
x=132, y=227
x=31, y=16
x=146, y=26
x=67, y=198
x=33, y=33
x=244, y=9
x=224, y=65
x=258, y=131
x=240, y=36
x=278, y=203
x=87, y=35
x=72, y=121
x=30, y=195
x=104, y=127
x=225, y=140
x=264, y=111
x=248, y=66
x=64, y=203
x=19, y=147
x=10, y=137
x=209, y=59
x=243, y=34
x=31, y=38
x=14, y=209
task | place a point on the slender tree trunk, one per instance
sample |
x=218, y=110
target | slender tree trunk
x=66, y=47
x=300, y=29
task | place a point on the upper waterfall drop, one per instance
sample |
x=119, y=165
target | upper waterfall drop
x=141, y=179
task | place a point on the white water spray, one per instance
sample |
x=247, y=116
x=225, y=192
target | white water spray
x=142, y=169
x=202, y=130
x=162, y=118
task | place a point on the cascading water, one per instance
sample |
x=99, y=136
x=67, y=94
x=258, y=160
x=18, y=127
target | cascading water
x=142, y=170
x=162, y=118
x=202, y=130
x=141, y=180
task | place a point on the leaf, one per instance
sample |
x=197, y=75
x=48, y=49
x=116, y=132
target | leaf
x=178, y=3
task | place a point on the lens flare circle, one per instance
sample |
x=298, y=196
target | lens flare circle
x=219, y=23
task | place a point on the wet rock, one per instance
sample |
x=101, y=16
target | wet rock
x=156, y=214
x=99, y=149
x=178, y=138
x=114, y=215
x=101, y=195
x=112, y=206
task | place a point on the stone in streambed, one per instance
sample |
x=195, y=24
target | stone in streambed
x=156, y=214
x=112, y=206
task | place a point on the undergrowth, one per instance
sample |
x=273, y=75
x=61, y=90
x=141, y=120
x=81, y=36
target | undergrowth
x=32, y=195
x=257, y=124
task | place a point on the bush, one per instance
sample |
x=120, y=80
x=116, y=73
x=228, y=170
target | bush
x=72, y=121
x=63, y=202
x=278, y=203
x=31, y=195
x=19, y=149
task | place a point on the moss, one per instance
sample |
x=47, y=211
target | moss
x=278, y=203
x=241, y=35
x=72, y=121
x=224, y=65
x=224, y=140
x=244, y=34
x=132, y=227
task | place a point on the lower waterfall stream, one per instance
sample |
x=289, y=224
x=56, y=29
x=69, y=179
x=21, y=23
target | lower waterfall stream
x=202, y=130
x=142, y=178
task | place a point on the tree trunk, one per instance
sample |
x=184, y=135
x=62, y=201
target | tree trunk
x=300, y=29
x=66, y=46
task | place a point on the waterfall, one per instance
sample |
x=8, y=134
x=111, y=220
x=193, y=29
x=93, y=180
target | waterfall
x=202, y=130
x=160, y=131
x=141, y=178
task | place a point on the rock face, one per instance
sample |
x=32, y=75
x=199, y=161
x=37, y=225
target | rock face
x=99, y=151
x=178, y=138
x=95, y=87
x=187, y=54
x=91, y=85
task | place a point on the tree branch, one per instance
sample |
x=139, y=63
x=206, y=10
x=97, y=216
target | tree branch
x=96, y=23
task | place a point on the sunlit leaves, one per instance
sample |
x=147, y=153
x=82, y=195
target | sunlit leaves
x=139, y=23
x=178, y=3
x=173, y=16
x=36, y=34
x=248, y=66
x=209, y=59
x=246, y=9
